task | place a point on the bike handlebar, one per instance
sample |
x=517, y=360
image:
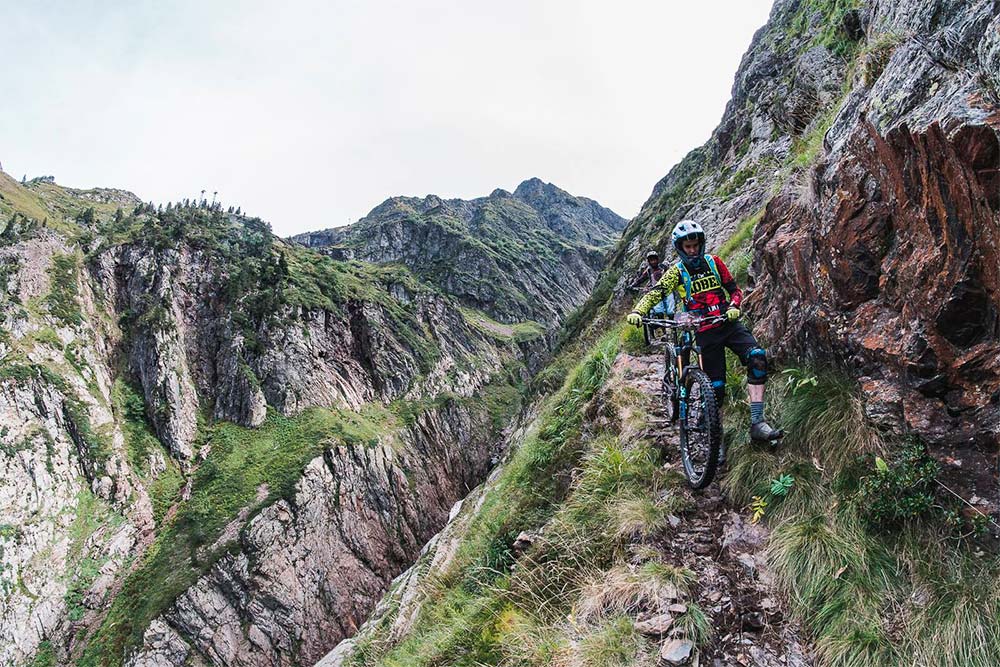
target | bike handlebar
x=688, y=324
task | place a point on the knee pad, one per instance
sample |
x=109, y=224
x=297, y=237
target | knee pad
x=757, y=366
x=720, y=391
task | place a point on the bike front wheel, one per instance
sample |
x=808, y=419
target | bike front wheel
x=700, y=428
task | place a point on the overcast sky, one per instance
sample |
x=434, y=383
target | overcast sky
x=310, y=114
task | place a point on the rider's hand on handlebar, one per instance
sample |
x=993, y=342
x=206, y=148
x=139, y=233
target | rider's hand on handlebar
x=634, y=318
x=732, y=314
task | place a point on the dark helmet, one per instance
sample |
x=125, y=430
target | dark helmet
x=687, y=230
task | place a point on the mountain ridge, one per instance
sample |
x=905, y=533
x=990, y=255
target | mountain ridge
x=498, y=241
x=533, y=191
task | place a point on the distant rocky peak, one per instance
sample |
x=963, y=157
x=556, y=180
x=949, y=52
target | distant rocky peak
x=407, y=206
x=535, y=186
x=540, y=194
x=397, y=206
x=570, y=216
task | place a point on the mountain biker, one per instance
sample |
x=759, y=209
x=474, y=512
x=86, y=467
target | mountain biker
x=706, y=287
x=647, y=279
x=649, y=274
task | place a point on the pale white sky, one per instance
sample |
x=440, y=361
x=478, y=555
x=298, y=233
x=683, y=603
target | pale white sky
x=309, y=114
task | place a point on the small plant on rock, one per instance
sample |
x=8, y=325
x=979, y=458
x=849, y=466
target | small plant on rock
x=901, y=491
x=758, y=506
x=782, y=485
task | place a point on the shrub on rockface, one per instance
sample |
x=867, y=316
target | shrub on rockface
x=890, y=495
x=63, y=299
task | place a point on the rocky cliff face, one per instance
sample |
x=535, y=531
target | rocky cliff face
x=73, y=509
x=853, y=183
x=890, y=258
x=217, y=446
x=530, y=255
x=307, y=570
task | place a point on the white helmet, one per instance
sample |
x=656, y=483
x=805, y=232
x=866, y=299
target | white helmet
x=688, y=230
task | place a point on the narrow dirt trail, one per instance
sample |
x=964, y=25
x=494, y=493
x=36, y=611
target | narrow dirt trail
x=713, y=539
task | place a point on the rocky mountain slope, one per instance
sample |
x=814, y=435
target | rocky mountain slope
x=852, y=183
x=530, y=255
x=219, y=447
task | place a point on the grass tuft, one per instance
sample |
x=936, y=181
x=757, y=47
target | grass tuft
x=615, y=643
x=695, y=624
x=638, y=518
x=627, y=589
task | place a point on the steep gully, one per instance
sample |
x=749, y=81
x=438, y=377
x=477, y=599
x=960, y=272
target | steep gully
x=305, y=571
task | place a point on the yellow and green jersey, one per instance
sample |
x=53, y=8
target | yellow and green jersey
x=708, y=291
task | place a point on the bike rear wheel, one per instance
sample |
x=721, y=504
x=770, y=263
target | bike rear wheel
x=700, y=428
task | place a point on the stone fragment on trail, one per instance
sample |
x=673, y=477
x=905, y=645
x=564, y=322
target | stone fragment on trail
x=676, y=652
x=657, y=626
x=753, y=621
x=523, y=542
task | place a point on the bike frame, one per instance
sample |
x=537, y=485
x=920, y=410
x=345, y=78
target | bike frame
x=683, y=329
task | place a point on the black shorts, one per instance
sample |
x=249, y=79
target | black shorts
x=714, y=342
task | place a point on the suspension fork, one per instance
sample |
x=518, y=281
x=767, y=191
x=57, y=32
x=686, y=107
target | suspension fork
x=684, y=357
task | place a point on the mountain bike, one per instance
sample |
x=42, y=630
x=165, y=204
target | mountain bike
x=648, y=330
x=689, y=398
